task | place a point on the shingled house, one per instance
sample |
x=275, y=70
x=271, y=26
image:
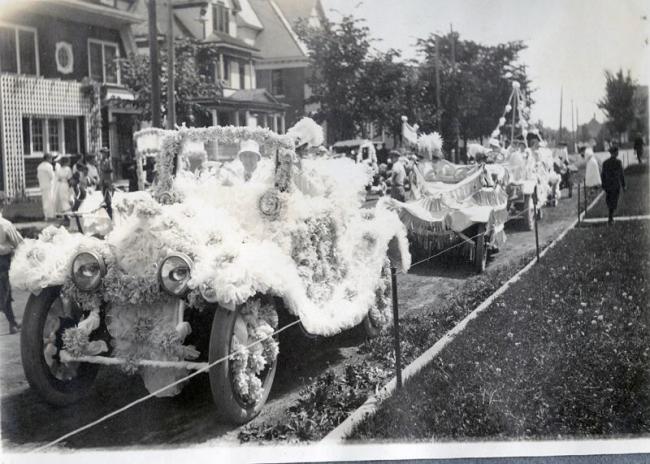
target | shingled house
x=49, y=49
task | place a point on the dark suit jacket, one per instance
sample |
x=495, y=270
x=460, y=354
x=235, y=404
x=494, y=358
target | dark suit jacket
x=612, y=175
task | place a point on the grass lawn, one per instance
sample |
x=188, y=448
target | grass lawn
x=632, y=202
x=564, y=352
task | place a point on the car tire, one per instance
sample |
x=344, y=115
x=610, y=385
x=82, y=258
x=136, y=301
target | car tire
x=231, y=408
x=39, y=375
x=529, y=216
x=480, y=250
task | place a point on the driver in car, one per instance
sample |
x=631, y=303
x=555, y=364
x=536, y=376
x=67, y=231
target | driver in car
x=248, y=166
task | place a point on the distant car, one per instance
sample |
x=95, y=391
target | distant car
x=203, y=268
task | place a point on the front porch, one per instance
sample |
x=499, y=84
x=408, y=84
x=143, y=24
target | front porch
x=247, y=107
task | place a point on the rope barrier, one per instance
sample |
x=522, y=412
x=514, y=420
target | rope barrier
x=160, y=390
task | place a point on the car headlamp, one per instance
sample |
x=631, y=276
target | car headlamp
x=174, y=273
x=88, y=268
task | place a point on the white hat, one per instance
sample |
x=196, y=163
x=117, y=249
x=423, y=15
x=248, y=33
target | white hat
x=494, y=143
x=56, y=158
x=249, y=146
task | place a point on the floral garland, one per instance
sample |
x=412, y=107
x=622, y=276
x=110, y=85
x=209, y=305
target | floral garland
x=173, y=142
x=246, y=364
x=314, y=252
x=141, y=332
x=379, y=314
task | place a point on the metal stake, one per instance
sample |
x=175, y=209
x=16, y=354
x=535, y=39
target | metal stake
x=536, y=231
x=398, y=356
x=585, y=190
x=579, y=204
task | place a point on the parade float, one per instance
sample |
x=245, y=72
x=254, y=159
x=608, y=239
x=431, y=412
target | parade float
x=526, y=172
x=451, y=208
x=200, y=271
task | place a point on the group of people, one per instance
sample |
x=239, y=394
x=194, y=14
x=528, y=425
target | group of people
x=64, y=187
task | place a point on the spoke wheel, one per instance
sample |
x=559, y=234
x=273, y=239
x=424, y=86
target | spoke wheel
x=46, y=318
x=529, y=217
x=480, y=250
x=230, y=332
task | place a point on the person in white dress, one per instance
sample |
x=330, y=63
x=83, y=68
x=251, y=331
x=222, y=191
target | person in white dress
x=592, y=170
x=62, y=193
x=45, y=175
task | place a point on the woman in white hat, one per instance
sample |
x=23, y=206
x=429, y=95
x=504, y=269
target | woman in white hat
x=247, y=167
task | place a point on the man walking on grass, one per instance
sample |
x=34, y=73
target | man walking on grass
x=613, y=180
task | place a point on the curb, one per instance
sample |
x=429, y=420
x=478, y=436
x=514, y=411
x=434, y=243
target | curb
x=617, y=219
x=369, y=408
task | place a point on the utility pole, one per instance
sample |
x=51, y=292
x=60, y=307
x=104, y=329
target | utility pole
x=559, y=132
x=171, y=105
x=577, y=126
x=438, y=81
x=155, y=70
x=455, y=122
x=515, y=108
x=573, y=129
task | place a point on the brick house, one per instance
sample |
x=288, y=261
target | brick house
x=47, y=48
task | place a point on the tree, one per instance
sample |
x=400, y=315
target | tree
x=475, y=83
x=618, y=104
x=192, y=79
x=337, y=52
x=381, y=90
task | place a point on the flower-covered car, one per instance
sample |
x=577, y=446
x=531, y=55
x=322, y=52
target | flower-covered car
x=202, y=270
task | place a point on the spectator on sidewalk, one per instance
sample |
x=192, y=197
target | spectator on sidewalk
x=45, y=175
x=613, y=180
x=10, y=238
x=62, y=191
x=398, y=176
x=92, y=176
x=106, y=180
x=592, y=170
x=638, y=147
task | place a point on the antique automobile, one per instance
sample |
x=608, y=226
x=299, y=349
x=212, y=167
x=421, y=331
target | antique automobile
x=201, y=271
x=452, y=209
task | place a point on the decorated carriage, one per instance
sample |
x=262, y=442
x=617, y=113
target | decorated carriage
x=202, y=270
x=526, y=172
x=450, y=207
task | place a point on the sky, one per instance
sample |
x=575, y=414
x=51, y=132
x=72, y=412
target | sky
x=570, y=42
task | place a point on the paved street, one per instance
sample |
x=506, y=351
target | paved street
x=190, y=418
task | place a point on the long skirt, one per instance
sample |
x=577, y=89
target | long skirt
x=62, y=197
x=592, y=173
x=47, y=197
x=611, y=198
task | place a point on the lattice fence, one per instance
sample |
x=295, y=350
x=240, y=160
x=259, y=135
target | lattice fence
x=32, y=96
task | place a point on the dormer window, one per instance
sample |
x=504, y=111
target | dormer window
x=221, y=18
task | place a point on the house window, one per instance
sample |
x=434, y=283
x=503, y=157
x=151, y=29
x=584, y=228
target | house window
x=242, y=75
x=18, y=50
x=51, y=135
x=220, y=18
x=277, y=84
x=226, y=70
x=103, y=61
x=38, y=142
